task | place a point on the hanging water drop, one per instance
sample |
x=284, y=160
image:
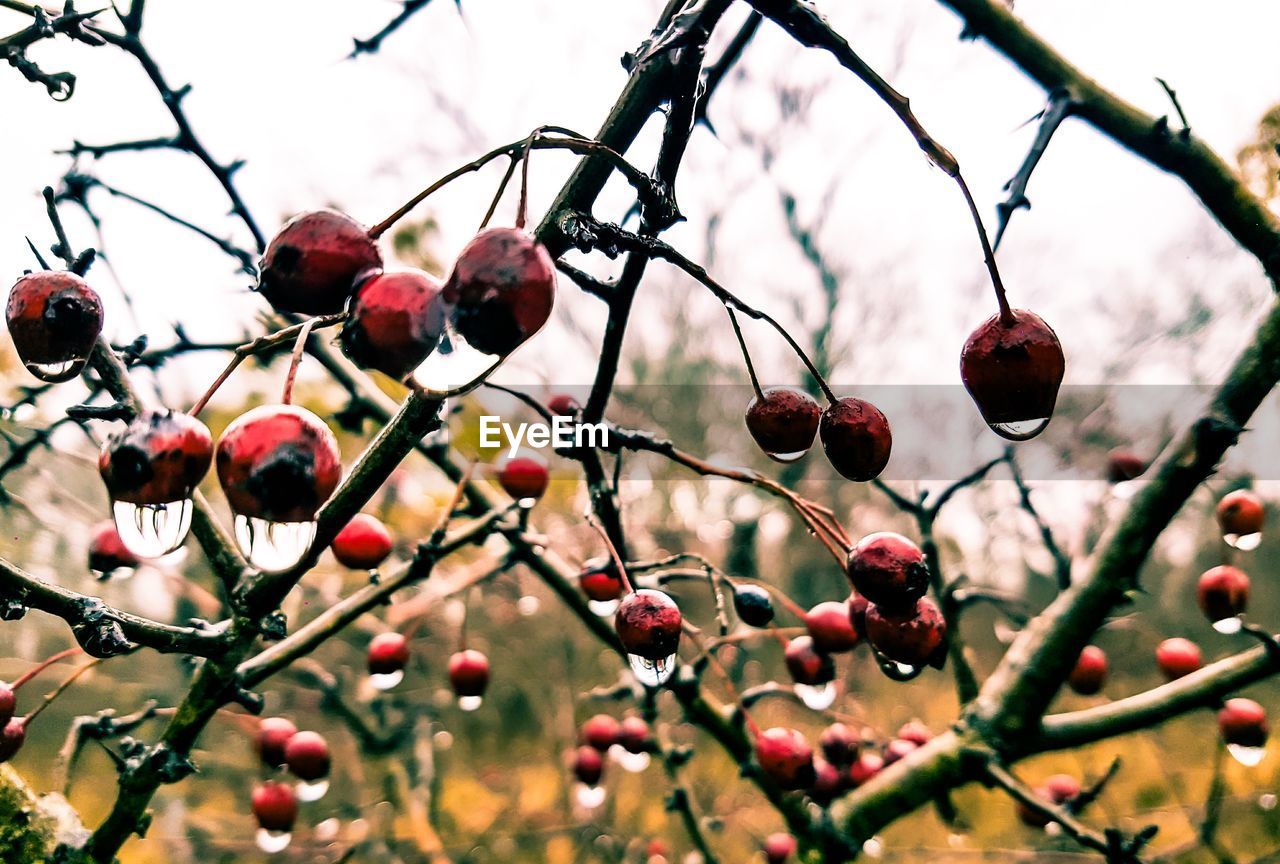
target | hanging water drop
x=470, y=703
x=272, y=842
x=1125, y=489
x=454, y=365
x=55, y=373
x=273, y=547
x=1246, y=755
x=786, y=457
x=152, y=530
x=1267, y=801
x=1229, y=626
x=874, y=847
x=1243, y=542
x=603, y=608
x=1053, y=829
x=819, y=697
x=528, y=605
x=311, y=791
x=628, y=761
x=1020, y=430
x=652, y=673
x=386, y=680
x=896, y=671
x=589, y=797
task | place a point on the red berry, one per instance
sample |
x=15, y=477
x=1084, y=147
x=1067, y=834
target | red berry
x=600, y=731
x=648, y=624
x=916, y=639
x=865, y=767
x=1124, y=465
x=831, y=627
x=563, y=405
x=1013, y=371
x=55, y=319
x=600, y=581
x=839, y=744
x=856, y=438
x=1223, y=592
x=524, y=476
x=633, y=735
x=897, y=749
x=396, y=320
x=915, y=732
x=107, y=552
x=1243, y=722
x=159, y=458
x=363, y=543
x=8, y=703
x=1241, y=513
x=307, y=755
x=12, y=737
x=588, y=765
x=778, y=848
x=889, y=570
x=501, y=290
x=829, y=783
x=786, y=758
x=273, y=734
x=1090, y=671
x=278, y=463
x=388, y=653
x=1058, y=789
x=275, y=806
x=1178, y=657
x=807, y=664
x=313, y=264
x=469, y=673
x=784, y=421
x=656, y=848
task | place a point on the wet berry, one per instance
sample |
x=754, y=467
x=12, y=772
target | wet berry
x=839, y=745
x=915, y=732
x=1058, y=789
x=856, y=438
x=1124, y=465
x=831, y=628
x=829, y=783
x=107, y=552
x=469, y=673
x=1178, y=657
x=524, y=477
x=1241, y=513
x=158, y=458
x=917, y=638
x=1243, y=723
x=1090, y=671
x=889, y=570
x=588, y=765
x=363, y=543
x=313, y=264
x=12, y=736
x=866, y=766
x=898, y=748
x=753, y=605
x=648, y=624
x=273, y=734
x=783, y=421
x=278, y=463
x=786, y=758
x=563, y=405
x=807, y=664
x=600, y=581
x=501, y=290
x=1223, y=592
x=396, y=320
x=275, y=806
x=600, y=731
x=1013, y=371
x=778, y=848
x=633, y=735
x=307, y=755
x=55, y=319
x=388, y=653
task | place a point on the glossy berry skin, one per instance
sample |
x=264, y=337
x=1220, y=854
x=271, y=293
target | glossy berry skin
x=12, y=736
x=897, y=749
x=648, y=624
x=865, y=767
x=839, y=745
x=54, y=318
x=158, y=458
x=831, y=628
x=753, y=605
x=600, y=731
x=918, y=638
x=856, y=438
x=278, y=463
x=889, y=570
x=778, y=848
x=307, y=755
x=1241, y=512
x=388, y=653
x=275, y=806
x=1057, y=789
x=600, y=581
x=1243, y=722
x=524, y=477
x=807, y=664
x=273, y=735
x=1123, y=465
x=783, y=421
x=396, y=320
x=1013, y=370
x=501, y=290
x=915, y=732
x=1223, y=592
x=107, y=552
x=8, y=703
x=1178, y=657
x=469, y=673
x=588, y=765
x=313, y=264
x=786, y=758
x=1090, y=671
x=363, y=543
x=563, y=405
x=633, y=735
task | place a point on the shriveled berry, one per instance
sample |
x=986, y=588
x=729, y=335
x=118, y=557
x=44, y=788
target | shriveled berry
x=856, y=438
x=313, y=264
x=363, y=543
x=889, y=570
x=783, y=421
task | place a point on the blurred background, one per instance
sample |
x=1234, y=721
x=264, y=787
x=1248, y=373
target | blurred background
x=809, y=201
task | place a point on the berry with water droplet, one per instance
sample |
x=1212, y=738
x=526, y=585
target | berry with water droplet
x=275, y=806
x=599, y=731
x=600, y=581
x=363, y=543
x=278, y=463
x=633, y=734
x=1241, y=513
x=648, y=624
x=856, y=438
x=272, y=737
x=1124, y=465
x=778, y=848
x=395, y=321
x=501, y=290
x=1013, y=370
x=807, y=664
x=588, y=765
x=1243, y=723
x=786, y=758
x=388, y=653
x=55, y=319
x=469, y=673
x=107, y=552
x=753, y=605
x=158, y=458
x=839, y=745
x=307, y=755
x=313, y=264
x=783, y=421
x=1090, y=671
x=1223, y=593
x=524, y=477
x=918, y=638
x=1178, y=657
x=831, y=628
x=889, y=570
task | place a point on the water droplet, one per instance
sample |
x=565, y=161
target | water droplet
x=526, y=503
x=818, y=698
x=1053, y=829
x=603, y=608
x=1243, y=542
x=119, y=574
x=272, y=842
x=633, y=762
x=786, y=457
x=652, y=673
x=1228, y=626
x=1125, y=489
x=386, y=680
x=873, y=847
x=1020, y=430
x=455, y=366
x=327, y=830
x=273, y=546
x=1267, y=801
x=470, y=703
x=588, y=797
x=528, y=605
x=956, y=841
x=1246, y=756
x=152, y=530
x=56, y=372
x=895, y=671
x=311, y=791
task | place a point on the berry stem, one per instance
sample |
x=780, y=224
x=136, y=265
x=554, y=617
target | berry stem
x=522, y=211
x=57, y=691
x=296, y=360
x=613, y=552
x=41, y=666
x=746, y=355
x=502, y=189
x=989, y=255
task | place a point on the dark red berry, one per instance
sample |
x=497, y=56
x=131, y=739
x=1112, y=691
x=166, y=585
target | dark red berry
x=388, y=653
x=313, y=264
x=273, y=734
x=159, y=458
x=648, y=624
x=501, y=290
x=1243, y=722
x=1013, y=370
x=829, y=783
x=784, y=421
x=107, y=552
x=917, y=639
x=1241, y=513
x=275, y=806
x=307, y=755
x=866, y=766
x=600, y=731
x=778, y=848
x=396, y=320
x=1090, y=671
x=524, y=476
x=839, y=744
x=858, y=613
x=1178, y=657
x=8, y=703
x=1223, y=592
x=12, y=737
x=469, y=673
x=889, y=570
x=807, y=664
x=856, y=438
x=278, y=463
x=600, y=581
x=753, y=605
x=55, y=319
x=786, y=758
x=363, y=544
x=563, y=405
x=830, y=627
x=1124, y=465
x=633, y=735
x=897, y=749
x=588, y=765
